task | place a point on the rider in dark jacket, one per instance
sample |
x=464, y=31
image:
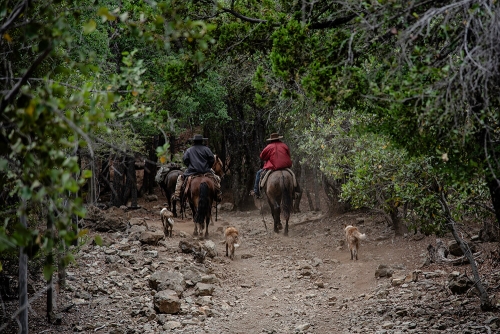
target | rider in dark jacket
x=199, y=159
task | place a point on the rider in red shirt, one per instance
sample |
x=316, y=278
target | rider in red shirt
x=276, y=156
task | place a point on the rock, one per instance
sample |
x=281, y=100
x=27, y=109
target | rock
x=460, y=285
x=209, y=247
x=203, y=289
x=226, y=206
x=383, y=271
x=189, y=247
x=151, y=238
x=110, y=224
x=167, y=301
x=169, y=325
x=83, y=295
x=151, y=198
x=303, y=327
x=398, y=280
x=387, y=325
x=138, y=222
x=316, y=262
x=209, y=279
x=246, y=256
x=167, y=280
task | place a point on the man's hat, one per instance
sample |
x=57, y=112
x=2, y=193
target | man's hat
x=274, y=136
x=198, y=138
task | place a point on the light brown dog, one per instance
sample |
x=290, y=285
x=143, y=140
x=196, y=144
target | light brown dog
x=353, y=236
x=232, y=239
x=167, y=221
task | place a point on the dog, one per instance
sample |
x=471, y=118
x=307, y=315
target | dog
x=232, y=239
x=167, y=221
x=353, y=236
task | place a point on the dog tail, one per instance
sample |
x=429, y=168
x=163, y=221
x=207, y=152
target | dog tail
x=171, y=221
x=361, y=236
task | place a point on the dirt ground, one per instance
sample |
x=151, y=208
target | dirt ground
x=305, y=282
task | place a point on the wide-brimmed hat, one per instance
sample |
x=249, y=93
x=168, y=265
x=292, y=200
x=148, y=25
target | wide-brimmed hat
x=274, y=136
x=198, y=138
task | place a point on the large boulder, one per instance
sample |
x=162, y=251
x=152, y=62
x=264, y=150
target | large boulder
x=150, y=237
x=167, y=301
x=104, y=221
x=203, y=289
x=167, y=280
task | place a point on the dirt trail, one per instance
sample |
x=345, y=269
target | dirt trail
x=303, y=283
x=278, y=284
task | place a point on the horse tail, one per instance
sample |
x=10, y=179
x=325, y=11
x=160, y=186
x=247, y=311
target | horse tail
x=203, y=204
x=286, y=199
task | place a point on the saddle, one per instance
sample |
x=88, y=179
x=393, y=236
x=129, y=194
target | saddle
x=265, y=175
x=187, y=183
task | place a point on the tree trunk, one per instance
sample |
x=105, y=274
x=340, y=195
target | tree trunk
x=150, y=167
x=50, y=286
x=483, y=294
x=300, y=180
x=309, y=200
x=23, y=283
x=317, y=206
x=397, y=223
x=494, y=187
x=131, y=183
x=104, y=180
x=118, y=188
x=333, y=190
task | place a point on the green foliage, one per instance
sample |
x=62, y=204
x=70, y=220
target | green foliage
x=76, y=83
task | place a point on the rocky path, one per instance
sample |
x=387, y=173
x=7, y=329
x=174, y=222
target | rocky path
x=304, y=283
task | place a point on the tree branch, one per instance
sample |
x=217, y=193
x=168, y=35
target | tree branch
x=9, y=97
x=18, y=10
x=333, y=23
x=244, y=18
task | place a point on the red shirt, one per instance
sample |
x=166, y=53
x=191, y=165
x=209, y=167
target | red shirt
x=276, y=155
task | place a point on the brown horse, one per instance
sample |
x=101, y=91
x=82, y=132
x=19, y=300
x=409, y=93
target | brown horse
x=279, y=190
x=168, y=186
x=201, y=195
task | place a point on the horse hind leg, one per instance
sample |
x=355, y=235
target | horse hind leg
x=286, y=228
x=207, y=222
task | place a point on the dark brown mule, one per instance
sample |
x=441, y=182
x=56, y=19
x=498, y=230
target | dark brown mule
x=201, y=195
x=279, y=190
x=168, y=186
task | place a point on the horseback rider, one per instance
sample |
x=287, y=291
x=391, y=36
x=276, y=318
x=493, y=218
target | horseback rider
x=276, y=156
x=199, y=159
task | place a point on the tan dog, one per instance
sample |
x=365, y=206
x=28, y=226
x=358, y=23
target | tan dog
x=353, y=237
x=168, y=221
x=232, y=240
